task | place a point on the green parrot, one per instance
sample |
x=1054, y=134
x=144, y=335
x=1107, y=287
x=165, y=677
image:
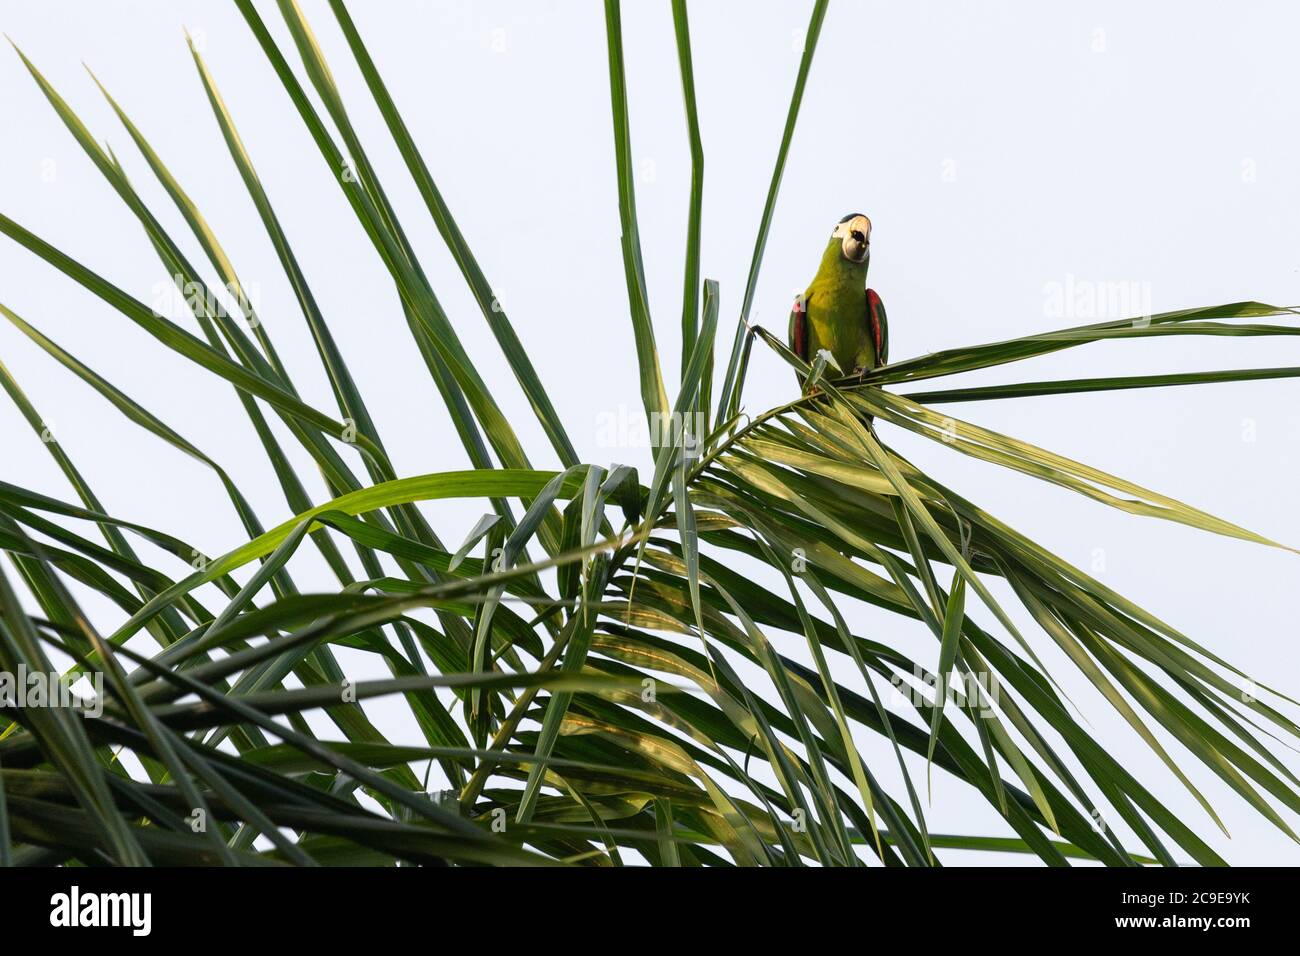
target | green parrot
x=839, y=313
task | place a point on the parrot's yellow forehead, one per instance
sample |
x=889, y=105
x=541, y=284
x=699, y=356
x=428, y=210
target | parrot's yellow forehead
x=850, y=225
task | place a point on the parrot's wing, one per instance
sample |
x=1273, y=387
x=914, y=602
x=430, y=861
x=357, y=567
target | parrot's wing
x=798, y=335
x=879, y=325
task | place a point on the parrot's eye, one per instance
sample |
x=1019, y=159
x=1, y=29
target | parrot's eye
x=858, y=236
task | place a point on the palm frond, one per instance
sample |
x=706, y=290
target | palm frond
x=604, y=671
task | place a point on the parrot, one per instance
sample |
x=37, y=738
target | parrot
x=839, y=313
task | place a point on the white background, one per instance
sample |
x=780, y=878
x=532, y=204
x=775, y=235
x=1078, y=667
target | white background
x=998, y=148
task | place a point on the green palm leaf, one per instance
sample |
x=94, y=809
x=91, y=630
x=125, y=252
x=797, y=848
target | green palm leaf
x=682, y=678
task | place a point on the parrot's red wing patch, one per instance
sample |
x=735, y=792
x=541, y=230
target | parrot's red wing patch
x=800, y=331
x=874, y=309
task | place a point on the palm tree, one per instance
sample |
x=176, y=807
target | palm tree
x=607, y=668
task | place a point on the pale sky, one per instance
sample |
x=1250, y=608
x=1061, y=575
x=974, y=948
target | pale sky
x=1004, y=151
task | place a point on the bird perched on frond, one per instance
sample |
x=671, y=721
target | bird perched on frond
x=839, y=313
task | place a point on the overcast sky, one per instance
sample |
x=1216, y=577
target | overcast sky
x=1006, y=153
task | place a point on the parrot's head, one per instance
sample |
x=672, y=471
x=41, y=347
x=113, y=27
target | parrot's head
x=854, y=234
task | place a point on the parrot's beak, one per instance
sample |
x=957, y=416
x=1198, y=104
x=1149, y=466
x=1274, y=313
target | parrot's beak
x=857, y=250
x=854, y=233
